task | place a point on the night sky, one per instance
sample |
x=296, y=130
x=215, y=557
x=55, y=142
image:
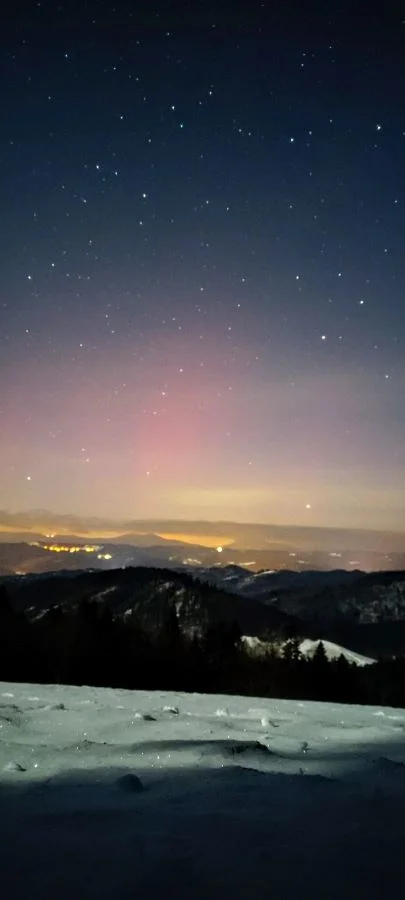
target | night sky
x=202, y=307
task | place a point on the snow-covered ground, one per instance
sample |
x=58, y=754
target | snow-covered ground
x=113, y=795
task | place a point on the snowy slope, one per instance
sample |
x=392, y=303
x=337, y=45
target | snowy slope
x=333, y=651
x=241, y=797
x=256, y=647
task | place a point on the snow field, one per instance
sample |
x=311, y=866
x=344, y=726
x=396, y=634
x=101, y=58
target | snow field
x=118, y=794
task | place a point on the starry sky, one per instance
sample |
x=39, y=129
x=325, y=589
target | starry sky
x=202, y=267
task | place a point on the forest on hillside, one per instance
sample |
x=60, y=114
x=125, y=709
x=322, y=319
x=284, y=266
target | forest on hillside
x=86, y=644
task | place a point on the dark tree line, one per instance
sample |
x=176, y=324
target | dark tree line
x=87, y=645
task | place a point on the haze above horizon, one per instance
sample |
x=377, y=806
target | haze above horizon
x=224, y=534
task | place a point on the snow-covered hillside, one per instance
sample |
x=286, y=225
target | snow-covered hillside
x=113, y=795
x=307, y=647
x=333, y=651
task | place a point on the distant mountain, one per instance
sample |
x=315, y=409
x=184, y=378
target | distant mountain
x=303, y=541
x=146, y=540
x=148, y=593
x=265, y=584
x=254, y=547
x=367, y=615
x=366, y=599
x=351, y=608
x=8, y=538
x=363, y=611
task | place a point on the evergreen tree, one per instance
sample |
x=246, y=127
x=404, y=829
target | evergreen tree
x=291, y=650
x=171, y=635
x=322, y=685
x=320, y=658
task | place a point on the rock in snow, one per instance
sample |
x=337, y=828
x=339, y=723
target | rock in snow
x=130, y=783
x=235, y=797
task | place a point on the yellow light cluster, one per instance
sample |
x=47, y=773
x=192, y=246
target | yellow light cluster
x=60, y=548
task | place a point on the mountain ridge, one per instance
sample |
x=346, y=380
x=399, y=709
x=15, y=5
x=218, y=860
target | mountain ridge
x=366, y=615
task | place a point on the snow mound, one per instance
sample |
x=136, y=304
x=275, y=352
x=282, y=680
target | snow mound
x=130, y=783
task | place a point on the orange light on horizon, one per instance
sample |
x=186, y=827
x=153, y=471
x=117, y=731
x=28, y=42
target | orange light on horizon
x=212, y=542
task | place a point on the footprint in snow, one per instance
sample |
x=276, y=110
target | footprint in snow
x=147, y=717
x=54, y=707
